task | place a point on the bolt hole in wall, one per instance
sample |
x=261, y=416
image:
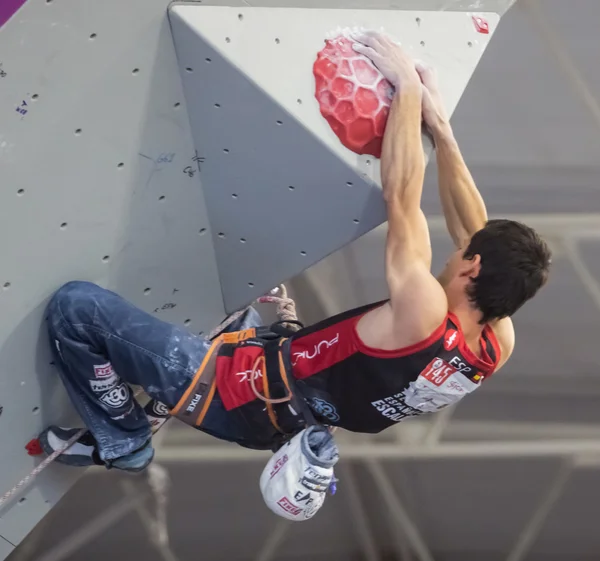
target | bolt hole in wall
x=93, y=36
x=35, y=97
x=106, y=259
x=78, y=132
x=277, y=40
x=147, y=291
x=187, y=322
x=221, y=235
x=176, y=105
x=251, y=284
x=20, y=192
x=35, y=410
x=227, y=40
x=202, y=231
x=135, y=71
x=23, y=499
x=63, y=226
x=120, y=165
x=6, y=286
x=161, y=198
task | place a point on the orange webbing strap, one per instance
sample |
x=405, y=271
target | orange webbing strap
x=201, y=391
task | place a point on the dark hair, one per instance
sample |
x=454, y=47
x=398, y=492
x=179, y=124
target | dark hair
x=515, y=263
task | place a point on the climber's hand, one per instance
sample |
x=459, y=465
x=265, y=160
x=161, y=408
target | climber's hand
x=390, y=58
x=434, y=113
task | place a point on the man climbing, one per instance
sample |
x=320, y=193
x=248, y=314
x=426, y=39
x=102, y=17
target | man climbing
x=432, y=342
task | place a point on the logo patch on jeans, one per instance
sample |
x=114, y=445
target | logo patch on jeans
x=101, y=386
x=116, y=397
x=103, y=370
x=160, y=409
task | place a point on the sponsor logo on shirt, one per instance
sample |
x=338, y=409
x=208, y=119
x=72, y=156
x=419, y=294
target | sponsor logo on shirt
x=316, y=350
x=394, y=408
x=450, y=339
x=324, y=408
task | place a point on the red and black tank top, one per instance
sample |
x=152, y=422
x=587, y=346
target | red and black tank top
x=362, y=389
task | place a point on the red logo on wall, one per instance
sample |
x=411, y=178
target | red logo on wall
x=450, y=339
x=481, y=25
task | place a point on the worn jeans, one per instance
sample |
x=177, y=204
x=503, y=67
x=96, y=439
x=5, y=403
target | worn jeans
x=102, y=343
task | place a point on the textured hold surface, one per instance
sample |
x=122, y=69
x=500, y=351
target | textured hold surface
x=353, y=96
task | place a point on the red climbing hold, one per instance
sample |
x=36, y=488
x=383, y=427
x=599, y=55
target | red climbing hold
x=33, y=447
x=353, y=96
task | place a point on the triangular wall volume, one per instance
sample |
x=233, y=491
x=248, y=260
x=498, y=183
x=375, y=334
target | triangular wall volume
x=281, y=191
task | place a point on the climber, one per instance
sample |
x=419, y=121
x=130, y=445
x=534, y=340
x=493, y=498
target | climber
x=432, y=342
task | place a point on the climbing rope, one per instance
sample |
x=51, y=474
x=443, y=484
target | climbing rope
x=41, y=467
x=285, y=310
x=158, y=479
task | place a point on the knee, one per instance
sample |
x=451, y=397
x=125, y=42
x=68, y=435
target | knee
x=73, y=302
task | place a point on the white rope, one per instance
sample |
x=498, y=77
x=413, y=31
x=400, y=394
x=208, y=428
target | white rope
x=157, y=477
x=159, y=482
x=41, y=467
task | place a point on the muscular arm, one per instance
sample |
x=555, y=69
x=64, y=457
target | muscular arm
x=463, y=206
x=402, y=173
x=417, y=302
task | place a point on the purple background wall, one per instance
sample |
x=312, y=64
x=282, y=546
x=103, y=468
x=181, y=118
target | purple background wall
x=8, y=8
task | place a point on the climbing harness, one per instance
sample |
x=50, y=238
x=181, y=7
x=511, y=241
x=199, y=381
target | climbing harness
x=287, y=412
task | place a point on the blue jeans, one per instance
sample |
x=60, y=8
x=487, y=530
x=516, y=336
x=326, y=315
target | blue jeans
x=102, y=343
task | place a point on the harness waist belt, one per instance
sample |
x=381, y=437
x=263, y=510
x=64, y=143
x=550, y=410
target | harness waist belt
x=193, y=405
x=285, y=407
